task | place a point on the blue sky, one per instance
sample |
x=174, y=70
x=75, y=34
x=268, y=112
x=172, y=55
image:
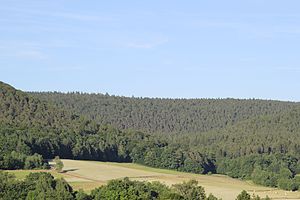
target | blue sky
x=157, y=48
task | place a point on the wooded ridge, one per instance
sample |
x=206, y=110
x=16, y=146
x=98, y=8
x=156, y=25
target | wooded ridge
x=249, y=139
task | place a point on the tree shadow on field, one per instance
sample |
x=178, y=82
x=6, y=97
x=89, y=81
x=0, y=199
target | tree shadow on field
x=68, y=170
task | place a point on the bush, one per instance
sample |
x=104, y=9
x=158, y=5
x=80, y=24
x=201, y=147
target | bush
x=59, y=165
x=288, y=184
x=243, y=196
x=33, y=162
x=190, y=190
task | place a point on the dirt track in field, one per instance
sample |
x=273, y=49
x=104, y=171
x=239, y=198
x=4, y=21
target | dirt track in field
x=92, y=174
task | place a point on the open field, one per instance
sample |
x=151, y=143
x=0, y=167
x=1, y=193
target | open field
x=90, y=174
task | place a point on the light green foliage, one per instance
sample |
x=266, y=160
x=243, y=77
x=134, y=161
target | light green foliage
x=243, y=196
x=59, y=165
x=63, y=190
x=33, y=162
x=125, y=189
x=190, y=190
x=211, y=197
x=80, y=195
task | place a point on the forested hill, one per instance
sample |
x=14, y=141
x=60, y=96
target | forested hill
x=19, y=109
x=268, y=134
x=164, y=115
x=29, y=126
x=251, y=139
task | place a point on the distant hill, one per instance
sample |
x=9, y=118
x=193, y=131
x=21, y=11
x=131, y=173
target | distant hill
x=266, y=134
x=20, y=109
x=154, y=115
x=29, y=125
x=250, y=139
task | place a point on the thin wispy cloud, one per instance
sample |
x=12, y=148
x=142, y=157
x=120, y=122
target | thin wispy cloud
x=147, y=45
x=31, y=54
x=289, y=69
x=290, y=31
x=256, y=26
x=24, y=54
x=63, y=69
x=61, y=14
x=81, y=17
x=24, y=44
x=22, y=50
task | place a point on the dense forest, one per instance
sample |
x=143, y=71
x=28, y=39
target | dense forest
x=155, y=115
x=248, y=139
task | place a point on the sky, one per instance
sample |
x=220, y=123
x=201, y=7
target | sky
x=157, y=48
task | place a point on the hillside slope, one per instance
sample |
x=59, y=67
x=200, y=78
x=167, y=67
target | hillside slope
x=20, y=109
x=164, y=115
x=29, y=125
x=259, y=147
x=267, y=134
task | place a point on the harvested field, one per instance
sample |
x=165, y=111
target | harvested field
x=88, y=175
x=221, y=186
